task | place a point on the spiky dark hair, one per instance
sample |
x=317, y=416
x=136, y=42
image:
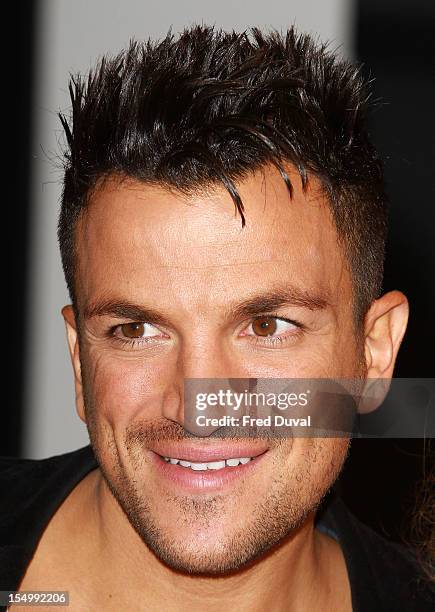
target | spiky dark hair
x=211, y=106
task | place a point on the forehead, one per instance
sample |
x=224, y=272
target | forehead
x=147, y=241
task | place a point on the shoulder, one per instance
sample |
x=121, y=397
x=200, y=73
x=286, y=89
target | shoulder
x=22, y=480
x=383, y=574
x=32, y=490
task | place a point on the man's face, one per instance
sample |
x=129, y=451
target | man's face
x=172, y=287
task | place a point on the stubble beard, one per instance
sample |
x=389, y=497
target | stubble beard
x=275, y=517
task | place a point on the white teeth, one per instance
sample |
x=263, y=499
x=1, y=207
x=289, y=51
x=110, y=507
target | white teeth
x=198, y=466
x=215, y=465
x=211, y=465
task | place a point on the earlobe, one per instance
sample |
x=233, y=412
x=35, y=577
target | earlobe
x=74, y=350
x=385, y=326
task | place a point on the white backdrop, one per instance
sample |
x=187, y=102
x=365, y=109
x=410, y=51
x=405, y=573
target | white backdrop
x=71, y=35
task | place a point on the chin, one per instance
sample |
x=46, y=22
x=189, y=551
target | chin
x=206, y=557
x=211, y=542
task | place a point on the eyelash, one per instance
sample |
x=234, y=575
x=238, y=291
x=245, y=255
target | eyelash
x=263, y=340
x=131, y=342
x=272, y=341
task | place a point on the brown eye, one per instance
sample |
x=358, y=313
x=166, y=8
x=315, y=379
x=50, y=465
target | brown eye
x=264, y=326
x=133, y=330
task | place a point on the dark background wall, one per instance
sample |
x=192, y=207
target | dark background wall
x=395, y=40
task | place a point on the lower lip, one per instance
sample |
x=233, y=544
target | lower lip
x=204, y=480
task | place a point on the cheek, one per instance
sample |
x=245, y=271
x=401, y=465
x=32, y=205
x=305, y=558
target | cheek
x=316, y=462
x=320, y=358
x=343, y=357
x=120, y=389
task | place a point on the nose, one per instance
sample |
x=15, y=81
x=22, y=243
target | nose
x=204, y=368
x=208, y=361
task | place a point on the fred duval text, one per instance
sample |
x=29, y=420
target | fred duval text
x=250, y=421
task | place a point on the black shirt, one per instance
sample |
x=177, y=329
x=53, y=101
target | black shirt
x=382, y=574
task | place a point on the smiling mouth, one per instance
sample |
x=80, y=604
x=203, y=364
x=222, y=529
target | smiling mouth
x=205, y=468
x=210, y=465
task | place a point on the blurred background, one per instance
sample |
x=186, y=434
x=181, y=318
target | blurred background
x=395, y=39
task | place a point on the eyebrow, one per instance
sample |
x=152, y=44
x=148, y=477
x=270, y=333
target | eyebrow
x=250, y=307
x=121, y=309
x=278, y=298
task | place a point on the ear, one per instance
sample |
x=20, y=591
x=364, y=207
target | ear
x=73, y=344
x=384, y=328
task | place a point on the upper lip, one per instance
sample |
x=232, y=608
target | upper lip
x=210, y=452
